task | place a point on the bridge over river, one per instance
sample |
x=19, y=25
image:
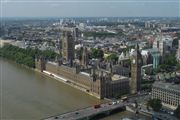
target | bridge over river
x=92, y=112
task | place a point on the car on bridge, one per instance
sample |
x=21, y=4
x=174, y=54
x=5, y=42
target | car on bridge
x=97, y=106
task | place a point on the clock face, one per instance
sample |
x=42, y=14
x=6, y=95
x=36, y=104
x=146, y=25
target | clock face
x=133, y=61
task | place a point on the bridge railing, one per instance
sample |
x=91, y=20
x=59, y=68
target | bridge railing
x=72, y=111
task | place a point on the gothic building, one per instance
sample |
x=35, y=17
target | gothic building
x=68, y=46
x=160, y=44
x=76, y=33
x=85, y=57
x=40, y=63
x=136, y=64
x=99, y=82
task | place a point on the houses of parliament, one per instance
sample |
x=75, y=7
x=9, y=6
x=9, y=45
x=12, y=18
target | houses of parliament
x=97, y=81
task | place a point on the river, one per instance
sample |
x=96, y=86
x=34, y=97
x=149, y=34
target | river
x=26, y=94
x=29, y=95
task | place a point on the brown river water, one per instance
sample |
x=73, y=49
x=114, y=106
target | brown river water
x=29, y=95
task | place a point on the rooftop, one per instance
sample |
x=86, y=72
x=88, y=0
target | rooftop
x=118, y=77
x=85, y=73
x=52, y=63
x=166, y=85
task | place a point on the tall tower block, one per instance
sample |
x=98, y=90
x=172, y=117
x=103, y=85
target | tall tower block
x=85, y=57
x=68, y=46
x=40, y=63
x=136, y=63
x=178, y=52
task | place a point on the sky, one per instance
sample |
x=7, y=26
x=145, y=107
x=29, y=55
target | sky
x=90, y=8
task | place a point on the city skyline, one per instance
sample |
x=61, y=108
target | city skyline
x=90, y=8
x=125, y=65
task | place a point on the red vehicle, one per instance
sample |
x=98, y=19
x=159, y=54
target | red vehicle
x=109, y=103
x=97, y=106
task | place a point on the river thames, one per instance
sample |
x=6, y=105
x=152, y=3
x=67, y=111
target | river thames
x=26, y=94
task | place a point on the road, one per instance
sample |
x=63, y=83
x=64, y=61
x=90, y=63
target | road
x=89, y=111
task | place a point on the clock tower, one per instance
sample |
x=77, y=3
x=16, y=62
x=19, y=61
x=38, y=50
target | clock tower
x=136, y=64
x=68, y=46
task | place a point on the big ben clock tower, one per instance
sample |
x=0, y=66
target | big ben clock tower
x=136, y=64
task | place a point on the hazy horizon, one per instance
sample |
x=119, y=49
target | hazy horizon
x=90, y=8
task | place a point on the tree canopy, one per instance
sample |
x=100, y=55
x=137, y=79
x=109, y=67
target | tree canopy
x=97, y=53
x=178, y=66
x=25, y=56
x=177, y=112
x=169, y=62
x=113, y=57
x=155, y=104
x=176, y=41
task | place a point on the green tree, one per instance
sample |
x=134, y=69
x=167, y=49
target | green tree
x=113, y=57
x=25, y=56
x=178, y=66
x=97, y=53
x=155, y=104
x=29, y=61
x=177, y=112
x=175, y=41
x=170, y=60
x=49, y=54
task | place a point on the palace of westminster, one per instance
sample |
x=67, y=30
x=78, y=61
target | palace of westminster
x=101, y=82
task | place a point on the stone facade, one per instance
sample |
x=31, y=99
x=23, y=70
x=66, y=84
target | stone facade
x=40, y=63
x=85, y=57
x=136, y=64
x=178, y=52
x=67, y=46
x=168, y=93
x=98, y=83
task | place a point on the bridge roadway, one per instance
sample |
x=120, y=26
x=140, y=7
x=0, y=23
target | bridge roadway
x=90, y=112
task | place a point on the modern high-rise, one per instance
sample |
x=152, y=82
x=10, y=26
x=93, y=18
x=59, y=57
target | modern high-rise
x=76, y=33
x=161, y=45
x=178, y=52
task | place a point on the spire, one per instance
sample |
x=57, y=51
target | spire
x=85, y=51
x=85, y=57
x=109, y=67
x=121, y=56
x=127, y=54
x=137, y=47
